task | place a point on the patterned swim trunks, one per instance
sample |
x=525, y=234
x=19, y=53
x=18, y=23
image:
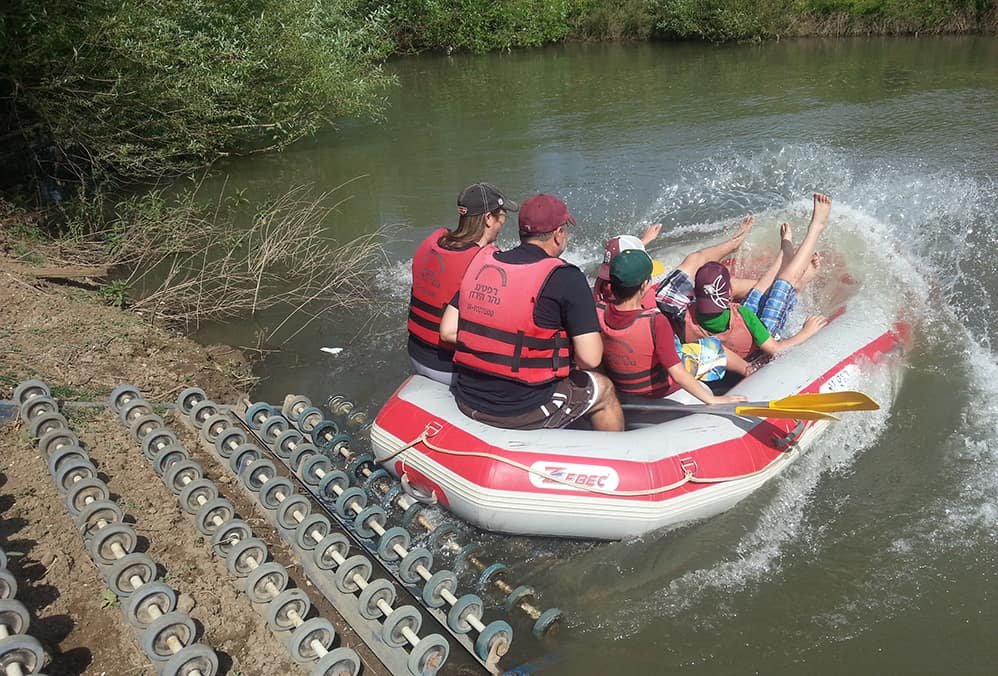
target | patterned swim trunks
x=675, y=294
x=773, y=307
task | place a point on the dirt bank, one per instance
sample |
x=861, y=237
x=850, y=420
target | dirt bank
x=66, y=337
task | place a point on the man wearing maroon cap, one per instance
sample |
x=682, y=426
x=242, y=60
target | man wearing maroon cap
x=524, y=324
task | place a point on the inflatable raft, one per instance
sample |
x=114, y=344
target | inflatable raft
x=665, y=469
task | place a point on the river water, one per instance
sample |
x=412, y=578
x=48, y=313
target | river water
x=877, y=552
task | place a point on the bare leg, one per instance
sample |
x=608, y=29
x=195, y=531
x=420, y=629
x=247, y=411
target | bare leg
x=735, y=363
x=695, y=260
x=606, y=415
x=810, y=272
x=795, y=268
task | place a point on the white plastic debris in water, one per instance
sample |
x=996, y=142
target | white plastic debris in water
x=332, y=350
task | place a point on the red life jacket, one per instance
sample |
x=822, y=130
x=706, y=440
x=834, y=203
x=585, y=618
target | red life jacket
x=629, y=357
x=737, y=338
x=496, y=332
x=436, y=275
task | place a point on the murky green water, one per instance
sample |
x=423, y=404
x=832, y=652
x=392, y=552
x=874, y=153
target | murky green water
x=877, y=552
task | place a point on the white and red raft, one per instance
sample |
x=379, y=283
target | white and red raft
x=664, y=470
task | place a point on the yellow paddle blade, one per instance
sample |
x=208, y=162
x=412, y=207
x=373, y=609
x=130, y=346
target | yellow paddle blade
x=846, y=400
x=791, y=413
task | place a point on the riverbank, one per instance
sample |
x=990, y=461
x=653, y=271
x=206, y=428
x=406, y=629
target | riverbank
x=65, y=335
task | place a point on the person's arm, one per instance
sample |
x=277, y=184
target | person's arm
x=650, y=233
x=688, y=382
x=812, y=325
x=448, y=325
x=587, y=349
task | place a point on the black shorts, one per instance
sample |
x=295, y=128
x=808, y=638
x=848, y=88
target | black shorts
x=572, y=398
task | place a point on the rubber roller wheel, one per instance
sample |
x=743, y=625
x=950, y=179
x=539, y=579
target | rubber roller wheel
x=269, y=491
x=244, y=456
x=396, y=535
x=300, y=642
x=408, y=566
x=548, y=619
x=310, y=469
x=197, y=493
x=286, y=444
x=457, y=617
x=8, y=584
x=99, y=510
x=202, y=411
x=30, y=389
x=214, y=426
x=403, y=617
x=154, y=441
x=286, y=512
x=252, y=475
x=139, y=607
x=337, y=479
x=515, y=597
x=307, y=419
x=302, y=454
x=84, y=491
x=305, y=532
x=72, y=472
x=357, y=464
x=228, y=534
x=338, y=662
x=266, y=582
x=378, y=478
x=120, y=572
x=101, y=544
x=53, y=440
x=443, y=535
x=143, y=426
x=257, y=414
x=355, y=565
x=351, y=496
x=429, y=655
x=496, y=632
x=180, y=474
x=14, y=615
x=47, y=422
x=340, y=442
x=64, y=455
x=362, y=522
x=435, y=586
x=332, y=543
x=167, y=457
x=229, y=440
x=388, y=499
x=496, y=571
x=132, y=410
x=37, y=406
x=155, y=639
x=196, y=658
x=295, y=404
x=411, y=514
x=238, y=562
x=273, y=428
x=285, y=605
x=121, y=395
x=22, y=650
x=213, y=514
x=324, y=434
x=188, y=398
x=376, y=590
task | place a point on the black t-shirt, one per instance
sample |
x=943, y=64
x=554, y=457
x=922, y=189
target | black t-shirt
x=565, y=301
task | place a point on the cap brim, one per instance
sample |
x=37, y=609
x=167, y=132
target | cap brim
x=510, y=205
x=657, y=268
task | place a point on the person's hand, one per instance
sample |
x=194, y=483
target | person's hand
x=650, y=233
x=813, y=324
x=730, y=399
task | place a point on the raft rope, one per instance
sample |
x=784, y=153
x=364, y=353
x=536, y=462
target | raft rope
x=688, y=478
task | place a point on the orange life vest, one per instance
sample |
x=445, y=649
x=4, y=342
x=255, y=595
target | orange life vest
x=496, y=331
x=737, y=338
x=436, y=275
x=629, y=357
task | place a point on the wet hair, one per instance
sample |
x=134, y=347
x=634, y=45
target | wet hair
x=622, y=293
x=468, y=231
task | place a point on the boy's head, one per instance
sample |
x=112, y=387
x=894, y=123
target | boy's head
x=629, y=270
x=712, y=289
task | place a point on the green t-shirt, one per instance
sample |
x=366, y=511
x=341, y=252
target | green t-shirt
x=719, y=324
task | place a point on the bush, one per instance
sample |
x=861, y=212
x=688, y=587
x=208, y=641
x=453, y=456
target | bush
x=153, y=88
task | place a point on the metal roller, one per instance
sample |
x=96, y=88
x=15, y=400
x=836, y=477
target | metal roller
x=45, y=423
x=129, y=573
x=167, y=457
x=193, y=660
x=310, y=640
x=338, y=662
x=180, y=474
x=201, y=412
x=228, y=534
x=229, y=440
x=287, y=610
x=139, y=428
x=168, y=634
x=188, y=398
x=30, y=389
x=253, y=475
x=265, y=582
x=147, y=603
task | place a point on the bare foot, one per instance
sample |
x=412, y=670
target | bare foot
x=786, y=241
x=810, y=272
x=744, y=228
x=822, y=207
x=786, y=232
